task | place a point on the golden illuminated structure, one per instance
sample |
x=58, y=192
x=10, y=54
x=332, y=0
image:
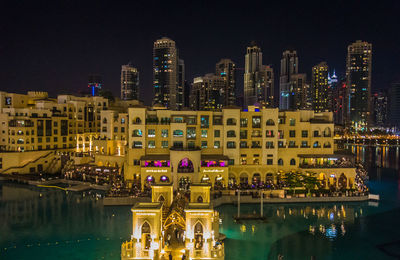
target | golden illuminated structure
x=183, y=227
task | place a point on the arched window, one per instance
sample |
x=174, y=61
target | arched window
x=200, y=199
x=161, y=198
x=231, y=133
x=280, y=161
x=198, y=236
x=270, y=122
x=292, y=161
x=137, y=120
x=185, y=166
x=146, y=228
x=104, y=120
x=137, y=133
x=164, y=178
x=231, y=121
x=327, y=145
x=327, y=132
x=316, y=145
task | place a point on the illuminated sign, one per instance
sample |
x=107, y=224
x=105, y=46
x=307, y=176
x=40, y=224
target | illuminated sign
x=145, y=214
x=212, y=170
x=158, y=170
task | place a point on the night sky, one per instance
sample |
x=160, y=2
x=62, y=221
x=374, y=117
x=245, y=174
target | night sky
x=53, y=46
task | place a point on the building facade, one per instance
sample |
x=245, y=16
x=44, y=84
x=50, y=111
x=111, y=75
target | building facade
x=289, y=67
x=129, y=83
x=320, y=89
x=208, y=93
x=226, y=69
x=379, y=102
x=168, y=72
x=358, y=75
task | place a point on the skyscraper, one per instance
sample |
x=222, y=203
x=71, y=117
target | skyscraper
x=225, y=68
x=129, y=82
x=380, y=108
x=289, y=67
x=168, y=72
x=298, y=92
x=258, y=79
x=340, y=103
x=207, y=92
x=320, y=90
x=358, y=75
x=394, y=104
x=253, y=67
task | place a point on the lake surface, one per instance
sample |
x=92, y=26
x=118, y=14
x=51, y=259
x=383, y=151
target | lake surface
x=40, y=223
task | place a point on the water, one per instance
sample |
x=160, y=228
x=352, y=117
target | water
x=39, y=223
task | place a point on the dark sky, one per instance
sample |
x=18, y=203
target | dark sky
x=54, y=45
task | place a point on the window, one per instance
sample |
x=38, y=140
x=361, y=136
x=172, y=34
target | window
x=280, y=162
x=280, y=134
x=151, y=132
x=316, y=145
x=327, y=145
x=203, y=144
x=256, y=122
x=269, y=133
x=292, y=122
x=231, y=145
x=55, y=124
x=204, y=121
x=243, y=134
x=269, y=145
x=137, y=133
x=191, y=144
x=269, y=161
x=292, y=144
x=243, y=144
x=178, y=133
x=217, y=120
x=316, y=133
x=217, y=144
x=217, y=133
x=255, y=144
x=292, y=133
x=231, y=121
x=281, y=120
x=164, y=132
x=164, y=144
x=281, y=144
x=256, y=133
x=137, y=144
x=243, y=122
x=191, y=133
x=304, y=133
x=270, y=122
x=151, y=144
x=191, y=120
x=123, y=120
x=304, y=144
x=115, y=129
x=231, y=133
x=178, y=144
x=136, y=162
x=178, y=119
x=122, y=129
x=203, y=133
x=231, y=162
x=55, y=139
x=292, y=162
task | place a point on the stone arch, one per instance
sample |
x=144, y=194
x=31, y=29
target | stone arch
x=244, y=178
x=185, y=166
x=256, y=178
x=198, y=230
x=269, y=178
x=292, y=161
x=219, y=181
x=205, y=179
x=232, y=179
x=270, y=122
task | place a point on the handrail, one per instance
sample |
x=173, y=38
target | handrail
x=23, y=166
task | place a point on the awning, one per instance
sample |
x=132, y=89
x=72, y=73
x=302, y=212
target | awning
x=218, y=157
x=155, y=157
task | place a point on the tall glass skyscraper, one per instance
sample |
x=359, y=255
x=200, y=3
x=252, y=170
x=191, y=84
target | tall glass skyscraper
x=289, y=67
x=168, y=74
x=358, y=76
x=129, y=82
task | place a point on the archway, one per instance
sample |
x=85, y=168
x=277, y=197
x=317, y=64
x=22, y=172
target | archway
x=322, y=180
x=146, y=235
x=269, y=180
x=198, y=236
x=205, y=179
x=218, y=182
x=231, y=180
x=161, y=198
x=200, y=199
x=342, y=182
x=256, y=180
x=164, y=178
x=244, y=179
x=148, y=182
x=185, y=166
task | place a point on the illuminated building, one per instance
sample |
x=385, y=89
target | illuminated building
x=228, y=147
x=168, y=74
x=225, y=68
x=358, y=75
x=258, y=79
x=321, y=92
x=299, y=92
x=95, y=83
x=380, y=108
x=340, y=103
x=394, y=100
x=208, y=93
x=195, y=221
x=289, y=67
x=129, y=82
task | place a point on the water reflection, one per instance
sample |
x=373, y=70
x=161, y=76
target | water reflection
x=377, y=156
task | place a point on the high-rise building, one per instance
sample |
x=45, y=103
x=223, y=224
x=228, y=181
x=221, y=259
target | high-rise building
x=358, y=74
x=168, y=72
x=225, y=68
x=95, y=83
x=186, y=92
x=380, y=108
x=340, y=102
x=289, y=67
x=258, y=79
x=321, y=93
x=298, y=92
x=129, y=82
x=208, y=92
x=253, y=67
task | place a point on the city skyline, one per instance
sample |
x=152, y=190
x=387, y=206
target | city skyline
x=41, y=56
